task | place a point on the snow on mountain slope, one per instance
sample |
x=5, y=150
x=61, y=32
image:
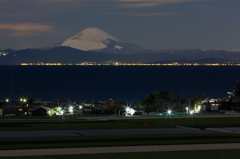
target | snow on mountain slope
x=92, y=39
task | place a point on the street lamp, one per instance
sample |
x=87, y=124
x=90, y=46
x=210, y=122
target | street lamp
x=187, y=109
x=191, y=112
x=169, y=112
x=7, y=100
x=71, y=109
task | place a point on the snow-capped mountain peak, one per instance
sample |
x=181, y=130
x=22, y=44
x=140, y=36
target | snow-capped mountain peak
x=91, y=39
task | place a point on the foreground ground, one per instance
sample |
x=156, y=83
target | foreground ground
x=213, y=154
x=122, y=149
x=95, y=133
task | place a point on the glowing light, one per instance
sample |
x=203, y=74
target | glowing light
x=169, y=112
x=129, y=111
x=21, y=99
x=59, y=108
x=199, y=107
x=191, y=112
x=7, y=100
x=71, y=109
x=186, y=108
x=61, y=112
x=80, y=107
x=24, y=100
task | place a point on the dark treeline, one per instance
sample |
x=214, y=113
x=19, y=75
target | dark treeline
x=161, y=101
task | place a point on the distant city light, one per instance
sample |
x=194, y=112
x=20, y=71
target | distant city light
x=115, y=63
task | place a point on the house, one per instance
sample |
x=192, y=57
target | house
x=211, y=105
x=34, y=105
x=88, y=104
x=10, y=111
x=42, y=111
x=87, y=110
x=138, y=111
x=214, y=106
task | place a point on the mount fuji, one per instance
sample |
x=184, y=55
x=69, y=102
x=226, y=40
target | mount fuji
x=96, y=40
x=93, y=44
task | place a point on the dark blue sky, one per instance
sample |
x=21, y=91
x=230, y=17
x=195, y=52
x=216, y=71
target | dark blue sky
x=152, y=24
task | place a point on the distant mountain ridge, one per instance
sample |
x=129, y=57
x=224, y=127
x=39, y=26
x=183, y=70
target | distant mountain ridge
x=95, y=45
x=64, y=54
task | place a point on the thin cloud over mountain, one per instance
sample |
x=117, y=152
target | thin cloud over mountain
x=26, y=29
x=137, y=14
x=149, y=3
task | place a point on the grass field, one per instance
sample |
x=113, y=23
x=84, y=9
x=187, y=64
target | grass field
x=85, y=125
x=192, y=122
x=213, y=154
x=27, y=117
x=120, y=140
x=60, y=124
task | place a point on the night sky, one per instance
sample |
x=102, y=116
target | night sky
x=152, y=24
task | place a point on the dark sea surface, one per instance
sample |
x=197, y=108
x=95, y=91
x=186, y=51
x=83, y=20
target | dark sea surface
x=132, y=83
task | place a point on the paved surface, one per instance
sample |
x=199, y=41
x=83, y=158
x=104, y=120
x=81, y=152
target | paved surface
x=122, y=149
x=59, y=133
x=235, y=130
x=160, y=117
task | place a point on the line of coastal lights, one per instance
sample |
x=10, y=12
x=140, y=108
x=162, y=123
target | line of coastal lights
x=132, y=64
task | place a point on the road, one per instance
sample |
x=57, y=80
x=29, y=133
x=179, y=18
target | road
x=120, y=149
x=159, y=117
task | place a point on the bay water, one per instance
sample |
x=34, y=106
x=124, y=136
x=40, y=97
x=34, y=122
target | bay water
x=128, y=83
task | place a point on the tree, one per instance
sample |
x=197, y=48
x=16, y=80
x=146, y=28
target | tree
x=112, y=107
x=197, y=100
x=237, y=90
x=30, y=101
x=160, y=101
